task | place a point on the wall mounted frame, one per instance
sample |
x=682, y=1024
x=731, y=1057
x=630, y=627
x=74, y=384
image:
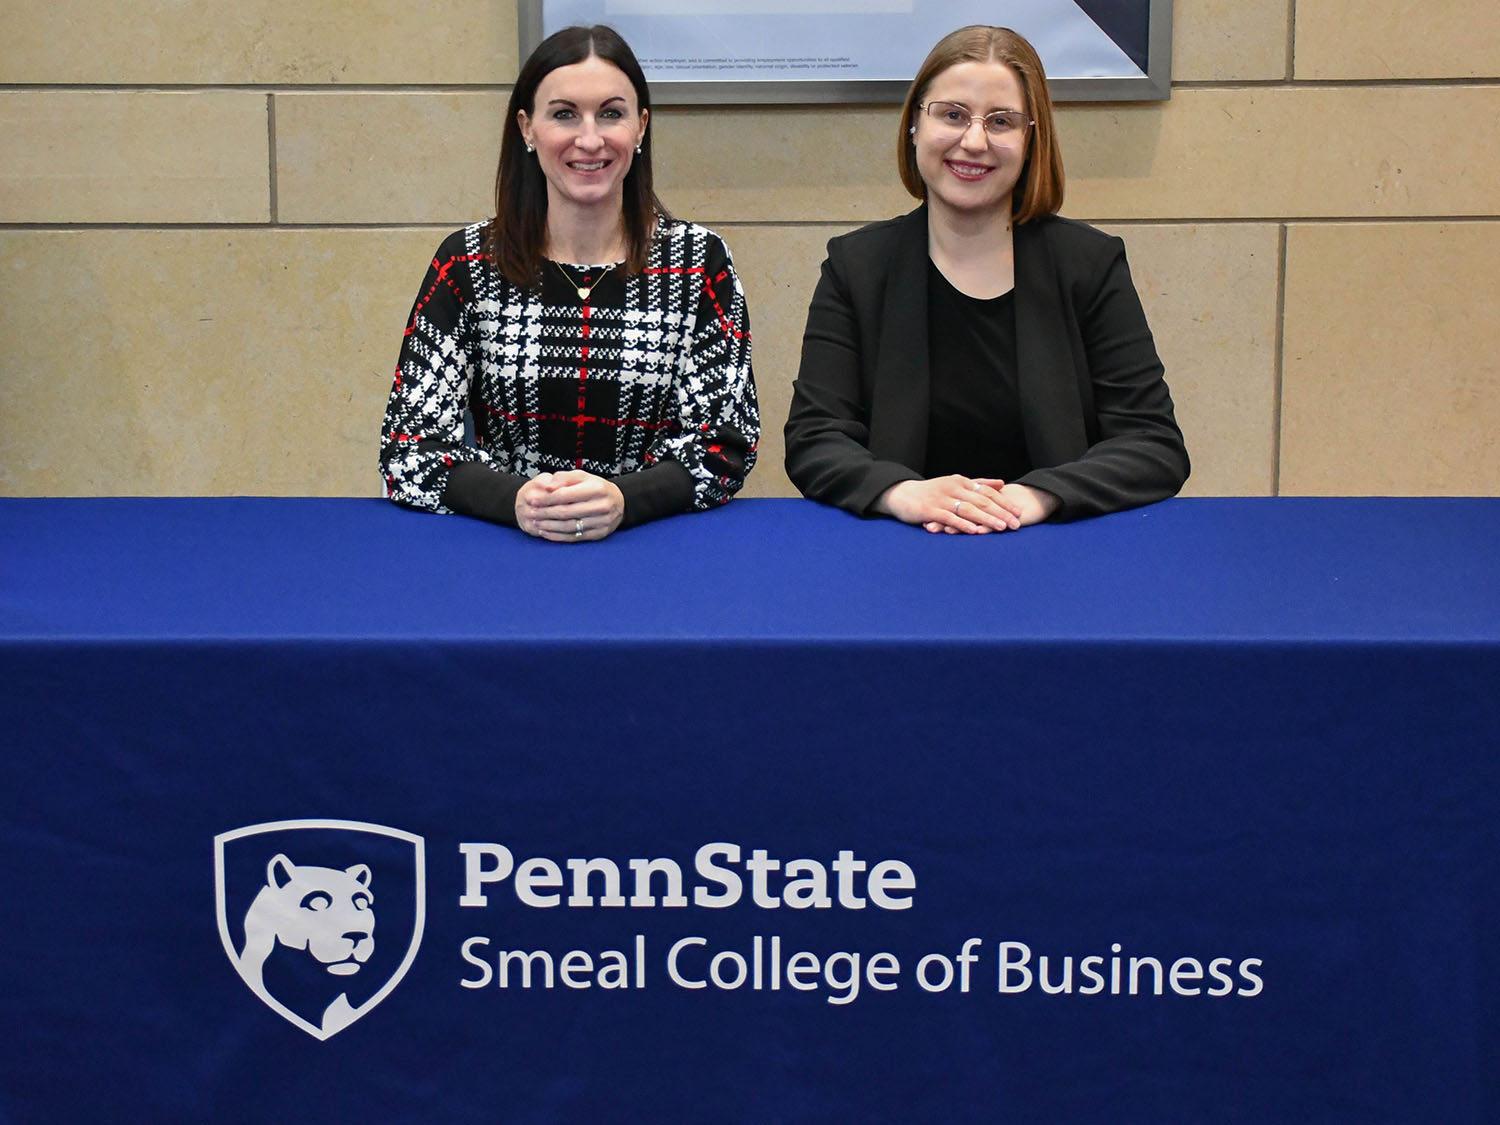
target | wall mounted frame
x=757, y=52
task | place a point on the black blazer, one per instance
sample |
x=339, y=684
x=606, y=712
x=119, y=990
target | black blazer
x=1094, y=407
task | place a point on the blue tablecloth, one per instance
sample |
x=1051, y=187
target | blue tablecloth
x=1229, y=766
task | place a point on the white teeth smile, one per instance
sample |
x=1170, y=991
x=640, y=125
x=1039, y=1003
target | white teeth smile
x=593, y=167
x=968, y=169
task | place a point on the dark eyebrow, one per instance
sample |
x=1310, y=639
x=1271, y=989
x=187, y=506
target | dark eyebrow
x=571, y=102
x=965, y=105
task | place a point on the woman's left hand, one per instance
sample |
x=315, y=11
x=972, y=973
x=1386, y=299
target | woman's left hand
x=569, y=507
x=1031, y=505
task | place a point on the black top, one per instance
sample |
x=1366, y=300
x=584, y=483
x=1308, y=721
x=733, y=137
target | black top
x=974, y=413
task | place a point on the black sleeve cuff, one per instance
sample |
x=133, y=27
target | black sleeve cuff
x=664, y=489
x=879, y=477
x=485, y=493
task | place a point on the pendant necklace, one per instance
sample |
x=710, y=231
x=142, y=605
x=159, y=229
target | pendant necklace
x=583, y=291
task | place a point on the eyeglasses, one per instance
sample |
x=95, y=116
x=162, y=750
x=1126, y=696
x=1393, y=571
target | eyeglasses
x=1002, y=125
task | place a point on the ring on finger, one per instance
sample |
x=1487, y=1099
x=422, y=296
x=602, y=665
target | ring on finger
x=956, y=503
x=577, y=529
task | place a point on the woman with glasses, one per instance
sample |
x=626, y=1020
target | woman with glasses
x=980, y=364
x=601, y=348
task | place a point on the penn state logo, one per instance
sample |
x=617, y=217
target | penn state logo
x=298, y=902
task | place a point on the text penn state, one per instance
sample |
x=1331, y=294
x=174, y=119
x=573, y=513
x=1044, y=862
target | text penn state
x=797, y=884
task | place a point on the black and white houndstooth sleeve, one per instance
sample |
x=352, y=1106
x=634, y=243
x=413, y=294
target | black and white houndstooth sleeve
x=423, y=435
x=718, y=415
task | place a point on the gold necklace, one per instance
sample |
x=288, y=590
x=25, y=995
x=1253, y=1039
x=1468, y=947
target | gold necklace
x=583, y=291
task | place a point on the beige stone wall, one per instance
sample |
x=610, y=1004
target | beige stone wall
x=213, y=219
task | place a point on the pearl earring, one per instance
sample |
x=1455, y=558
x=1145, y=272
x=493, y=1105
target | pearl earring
x=529, y=147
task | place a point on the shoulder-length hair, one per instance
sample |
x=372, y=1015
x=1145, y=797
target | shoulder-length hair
x=516, y=238
x=1039, y=191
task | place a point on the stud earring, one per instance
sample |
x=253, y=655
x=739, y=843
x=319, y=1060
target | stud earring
x=529, y=147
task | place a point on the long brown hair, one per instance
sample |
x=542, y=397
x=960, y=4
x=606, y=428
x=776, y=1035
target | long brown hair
x=516, y=238
x=1039, y=191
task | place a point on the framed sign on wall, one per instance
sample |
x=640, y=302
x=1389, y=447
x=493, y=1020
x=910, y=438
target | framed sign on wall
x=699, y=52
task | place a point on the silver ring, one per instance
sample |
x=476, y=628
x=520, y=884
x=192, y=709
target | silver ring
x=577, y=529
x=956, y=503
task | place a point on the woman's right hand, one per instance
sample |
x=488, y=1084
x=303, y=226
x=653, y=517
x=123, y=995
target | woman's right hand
x=954, y=504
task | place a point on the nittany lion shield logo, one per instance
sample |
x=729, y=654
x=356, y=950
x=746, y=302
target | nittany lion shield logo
x=298, y=905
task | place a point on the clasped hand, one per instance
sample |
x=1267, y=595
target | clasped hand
x=569, y=507
x=968, y=505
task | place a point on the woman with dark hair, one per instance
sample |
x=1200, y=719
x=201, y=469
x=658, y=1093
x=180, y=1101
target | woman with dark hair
x=980, y=364
x=601, y=347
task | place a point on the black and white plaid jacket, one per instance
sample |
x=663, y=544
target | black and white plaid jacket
x=651, y=370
